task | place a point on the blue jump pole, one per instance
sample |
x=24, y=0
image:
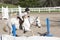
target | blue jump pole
x=48, y=27
x=13, y=30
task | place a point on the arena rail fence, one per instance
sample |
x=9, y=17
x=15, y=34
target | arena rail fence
x=42, y=9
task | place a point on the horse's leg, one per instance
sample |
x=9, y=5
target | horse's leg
x=20, y=25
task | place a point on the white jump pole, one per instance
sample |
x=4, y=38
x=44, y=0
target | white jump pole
x=49, y=10
x=5, y=13
x=39, y=10
x=20, y=12
x=2, y=12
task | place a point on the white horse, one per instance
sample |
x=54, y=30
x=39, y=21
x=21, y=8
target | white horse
x=38, y=23
x=9, y=23
x=26, y=24
x=31, y=19
x=35, y=21
x=16, y=22
x=13, y=21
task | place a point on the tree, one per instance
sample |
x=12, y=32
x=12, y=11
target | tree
x=57, y=2
x=49, y=3
x=29, y=3
x=10, y=1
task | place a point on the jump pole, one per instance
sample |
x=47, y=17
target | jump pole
x=13, y=29
x=48, y=27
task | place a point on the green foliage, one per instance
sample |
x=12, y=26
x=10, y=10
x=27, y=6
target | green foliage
x=9, y=5
x=29, y=3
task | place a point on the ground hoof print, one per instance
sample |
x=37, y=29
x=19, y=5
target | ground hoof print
x=43, y=34
x=39, y=27
x=4, y=29
x=0, y=18
x=17, y=35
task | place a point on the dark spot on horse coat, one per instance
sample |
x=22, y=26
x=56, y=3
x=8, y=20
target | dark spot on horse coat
x=20, y=22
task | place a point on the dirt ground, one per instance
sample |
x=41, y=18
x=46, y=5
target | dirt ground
x=54, y=18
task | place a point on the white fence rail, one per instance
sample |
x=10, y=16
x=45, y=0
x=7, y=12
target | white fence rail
x=43, y=9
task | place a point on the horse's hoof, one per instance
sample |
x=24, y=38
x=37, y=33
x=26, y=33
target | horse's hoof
x=25, y=31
